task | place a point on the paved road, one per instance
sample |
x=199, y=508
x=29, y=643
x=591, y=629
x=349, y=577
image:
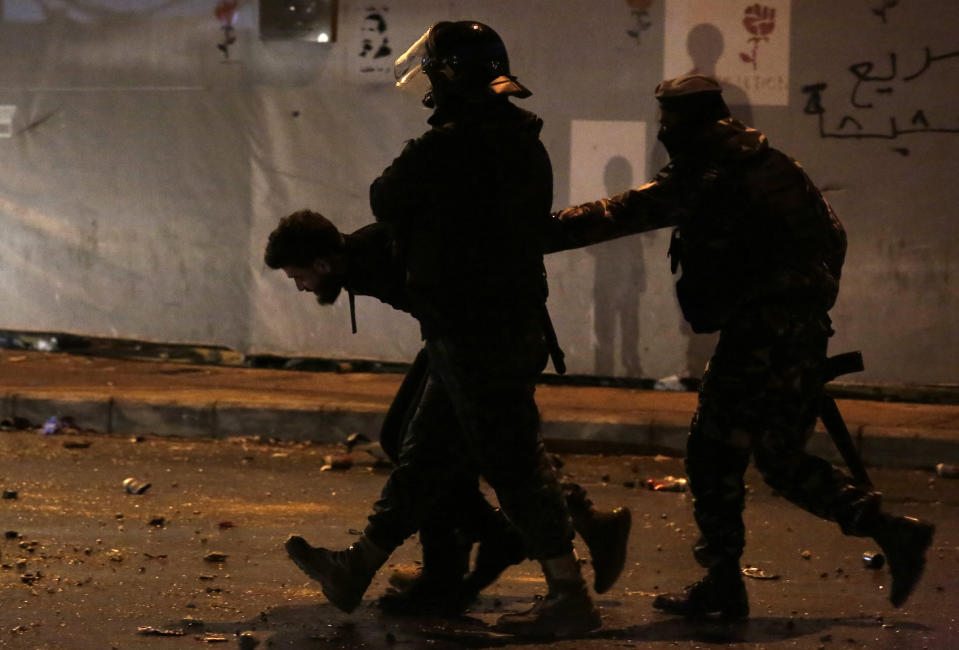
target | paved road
x=87, y=568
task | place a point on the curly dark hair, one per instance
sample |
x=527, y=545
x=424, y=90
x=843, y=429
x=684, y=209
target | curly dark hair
x=301, y=238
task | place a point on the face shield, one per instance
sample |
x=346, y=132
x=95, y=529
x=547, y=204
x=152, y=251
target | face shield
x=408, y=67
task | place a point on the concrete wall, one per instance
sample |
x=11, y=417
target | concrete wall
x=145, y=168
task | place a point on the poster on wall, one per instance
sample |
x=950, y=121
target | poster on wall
x=745, y=45
x=372, y=41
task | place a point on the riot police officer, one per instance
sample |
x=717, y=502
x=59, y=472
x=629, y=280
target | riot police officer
x=469, y=201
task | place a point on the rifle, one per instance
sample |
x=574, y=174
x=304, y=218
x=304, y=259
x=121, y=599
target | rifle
x=842, y=364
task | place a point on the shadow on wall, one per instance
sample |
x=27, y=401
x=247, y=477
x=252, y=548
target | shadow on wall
x=619, y=281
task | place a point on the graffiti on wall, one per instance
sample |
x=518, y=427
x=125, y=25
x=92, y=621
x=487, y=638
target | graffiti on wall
x=759, y=21
x=225, y=12
x=868, y=113
x=745, y=45
x=639, y=10
x=884, y=6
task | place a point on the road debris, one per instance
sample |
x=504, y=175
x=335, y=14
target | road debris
x=357, y=442
x=16, y=424
x=134, y=486
x=336, y=462
x=667, y=484
x=945, y=470
x=149, y=630
x=756, y=573
x=248, y=641
x=873, y=560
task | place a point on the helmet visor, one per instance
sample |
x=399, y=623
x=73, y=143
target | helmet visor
x=409, y=65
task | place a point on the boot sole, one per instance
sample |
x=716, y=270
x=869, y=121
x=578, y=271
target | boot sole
x=899, y=599
x=726, y=615
x=612, y=575
x=295, y=546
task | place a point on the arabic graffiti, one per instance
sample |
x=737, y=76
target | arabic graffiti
x=760, y=21
x=375, y=43
x=883, y=82
x=881, y=10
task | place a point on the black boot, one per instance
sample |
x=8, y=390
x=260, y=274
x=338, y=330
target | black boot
x=606, y=534
x=904, y=540
x=721, y=592
x=437, y=588
x=567, y=609
x=500, y=547
x=344, y=575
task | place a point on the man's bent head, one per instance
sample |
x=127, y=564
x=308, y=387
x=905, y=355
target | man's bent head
x=310, y=250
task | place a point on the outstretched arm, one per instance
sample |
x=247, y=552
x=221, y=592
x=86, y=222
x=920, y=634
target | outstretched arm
x=659, y=203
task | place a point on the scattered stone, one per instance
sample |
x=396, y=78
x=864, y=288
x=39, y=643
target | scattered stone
x=10, y=494
x=248, y=641
x=806, y=555
x=30, y=578
x=158, y=522
x=215, y=556
x=11, y=534
x=148, y=630
x=133, y=486
x=758, y=574
x=76, y=444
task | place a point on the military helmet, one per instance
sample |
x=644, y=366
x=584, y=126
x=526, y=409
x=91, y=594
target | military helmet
x=466, y=59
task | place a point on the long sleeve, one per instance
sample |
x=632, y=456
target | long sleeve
x=660, y=203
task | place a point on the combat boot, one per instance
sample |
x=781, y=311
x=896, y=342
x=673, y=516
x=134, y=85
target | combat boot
x=904, y=541
x=721, y=592
x=606, y=534
x=344, y=575
x=567, y=609
x=502, y=546
x=436, y=589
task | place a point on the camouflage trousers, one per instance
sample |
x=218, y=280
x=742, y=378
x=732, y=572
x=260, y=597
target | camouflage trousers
x=760, y=396
x=476, y=415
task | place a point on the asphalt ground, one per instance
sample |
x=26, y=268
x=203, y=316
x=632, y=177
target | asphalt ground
x=197, y=558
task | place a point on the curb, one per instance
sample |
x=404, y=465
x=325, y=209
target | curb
x=663, y=433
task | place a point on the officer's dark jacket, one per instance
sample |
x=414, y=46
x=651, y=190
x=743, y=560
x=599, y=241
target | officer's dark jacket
x=469, y=201
x=749, y=226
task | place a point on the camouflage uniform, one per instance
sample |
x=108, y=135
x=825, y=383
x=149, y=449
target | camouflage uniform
x=761, y=253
